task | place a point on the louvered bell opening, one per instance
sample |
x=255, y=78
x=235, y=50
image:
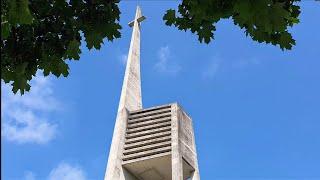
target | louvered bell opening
x=148, y=134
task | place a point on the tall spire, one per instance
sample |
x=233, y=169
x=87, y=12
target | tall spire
x=153, y=143
x=130, y=100
x=131, y=89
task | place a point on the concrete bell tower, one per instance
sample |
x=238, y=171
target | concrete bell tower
x=155, y=143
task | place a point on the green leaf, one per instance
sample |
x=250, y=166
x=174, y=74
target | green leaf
x=93, y=40
x=62, y=68
x=19, y=12
x=111, y=31
x=20, y=83
x=5, y=28
x=6, y=75
x=243, y=8
x=206, y=32
x=21, y=68
x=73, y=50
x=53, y=64
x=170, y=17
x=278, y=16
x=286, y=41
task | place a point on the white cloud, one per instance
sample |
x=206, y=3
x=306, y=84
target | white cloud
x=26, y=117
x=123, y=59
x=163, y=65
x=28, y=175
x=218, y=65
x=65, y=171
x=243, y=63
x=26, y=127
x=212, y=69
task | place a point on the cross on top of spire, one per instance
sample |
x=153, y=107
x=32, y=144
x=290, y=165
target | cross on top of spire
x=139, y=17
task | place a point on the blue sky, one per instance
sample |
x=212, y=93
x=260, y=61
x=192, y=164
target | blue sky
x=255, y=108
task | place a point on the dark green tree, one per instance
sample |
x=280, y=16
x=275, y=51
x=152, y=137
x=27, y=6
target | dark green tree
x=44, y=34
x=263, y=20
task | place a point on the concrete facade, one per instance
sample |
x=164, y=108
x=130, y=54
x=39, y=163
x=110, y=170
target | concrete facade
x=160, y=144
x=156, y=143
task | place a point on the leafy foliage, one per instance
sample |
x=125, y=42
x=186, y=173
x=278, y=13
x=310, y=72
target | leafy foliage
x=263, y=20
x=38, y=34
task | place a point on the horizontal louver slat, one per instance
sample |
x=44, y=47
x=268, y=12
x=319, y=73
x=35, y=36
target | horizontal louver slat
x=146, y=148
x=147, y=142
x=148, y=110
x=147, y=137
x=148, y=118
x=146, y=123
x=148, y=132
x=152, y=113
x=149, y=127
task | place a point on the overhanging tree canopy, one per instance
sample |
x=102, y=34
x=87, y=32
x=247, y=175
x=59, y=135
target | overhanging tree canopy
x=44, y=34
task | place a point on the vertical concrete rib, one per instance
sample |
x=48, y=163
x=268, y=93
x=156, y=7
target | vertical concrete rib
x=176, y=159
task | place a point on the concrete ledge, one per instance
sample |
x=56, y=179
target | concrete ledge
x=146, y=148
x=124, y=163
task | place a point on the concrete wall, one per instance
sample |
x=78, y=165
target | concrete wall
x=187, y=146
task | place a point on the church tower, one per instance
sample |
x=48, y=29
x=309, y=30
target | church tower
x=154, y=143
